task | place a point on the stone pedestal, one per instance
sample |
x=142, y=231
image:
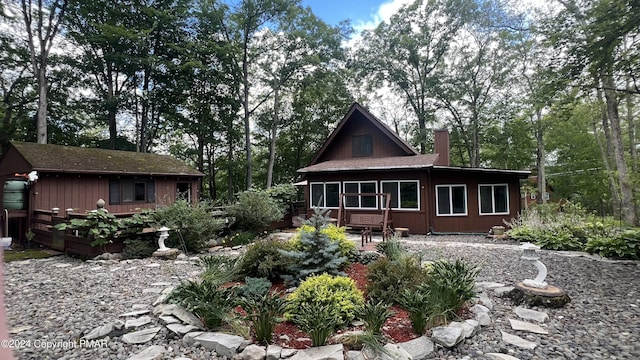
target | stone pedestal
x=551, y=296
x=167, y=254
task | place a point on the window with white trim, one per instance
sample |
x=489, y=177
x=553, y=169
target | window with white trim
x=493, y=199
x=451, y=200
x=325, y=195
x=360, y=201
x=405, y=194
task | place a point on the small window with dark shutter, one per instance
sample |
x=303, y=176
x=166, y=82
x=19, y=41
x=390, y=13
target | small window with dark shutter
x=114, y=192
x=151, y=191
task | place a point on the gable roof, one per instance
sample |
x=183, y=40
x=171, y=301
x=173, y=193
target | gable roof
x=374, y=121
x=71, y=159
x=384, y=163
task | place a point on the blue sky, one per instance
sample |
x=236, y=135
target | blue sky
x=364, y=14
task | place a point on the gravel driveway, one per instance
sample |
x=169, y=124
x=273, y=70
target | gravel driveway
x=53, y=302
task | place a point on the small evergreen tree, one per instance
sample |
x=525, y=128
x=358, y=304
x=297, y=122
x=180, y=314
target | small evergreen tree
x=319, y=253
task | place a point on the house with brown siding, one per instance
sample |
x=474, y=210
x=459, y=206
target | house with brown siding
x=363, y=156
x=75, y=178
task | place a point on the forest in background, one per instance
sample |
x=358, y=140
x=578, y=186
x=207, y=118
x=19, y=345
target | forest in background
x=247, y=90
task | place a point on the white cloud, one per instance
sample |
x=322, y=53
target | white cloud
x=383, y=13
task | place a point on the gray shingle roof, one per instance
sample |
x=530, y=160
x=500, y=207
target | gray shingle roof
x=384, y=163
x=59, y=158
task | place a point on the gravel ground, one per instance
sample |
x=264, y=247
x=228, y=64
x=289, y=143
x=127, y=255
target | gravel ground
x=57, y=300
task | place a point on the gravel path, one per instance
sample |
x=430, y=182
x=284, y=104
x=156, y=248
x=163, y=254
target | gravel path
x=57, y=300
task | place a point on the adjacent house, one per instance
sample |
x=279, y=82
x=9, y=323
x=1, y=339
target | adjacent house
x=363, y=156
x=75, y=178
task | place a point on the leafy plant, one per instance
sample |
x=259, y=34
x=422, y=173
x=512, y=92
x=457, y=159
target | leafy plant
x=318, y=320
x=265, y=258
x=220, y=269
x=451, y=284
x=339, y=293
x=239, y=238
x=255, y=210
x=264, y=308
x=192, y=224
x=139, y=247
x=99, y=226
x=374, y=315
x=205, y=299
x=318, y=253
x=392, y=248
x=387, y=278
x=625, y=245
x=416, y=302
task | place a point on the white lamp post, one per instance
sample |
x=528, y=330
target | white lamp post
x=529, y=254
x=164, y=234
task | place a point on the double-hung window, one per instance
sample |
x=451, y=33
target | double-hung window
x=325, y=195
x=451, y=200
x=494, y=199
x=361, y=201
x=125, y=191
x=404, y=194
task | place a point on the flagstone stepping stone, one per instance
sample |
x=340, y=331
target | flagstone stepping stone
x=139, y=306
x=498, y=356
x=115, y=269
x=61, y=265
x=529, y=314
x=100, y=331
x=136, y=313
x=489, y=284
x=179, y=312
x=19, y=329
x=96, y=268
x=153, y=265
x=327, y=352
x=23, y=262
x=141, y=336
x=77, y=267
x=181, y=329
x=527, y=326
x=162, y=283
x=168, y=319
x=223, y=344
x=502, y=291
x=131, y=323
x=189, y=338
x=131, y=268
x=154, y=352
x=517, y=341
x=151, y=290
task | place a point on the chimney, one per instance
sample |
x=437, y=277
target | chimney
x=441, y=140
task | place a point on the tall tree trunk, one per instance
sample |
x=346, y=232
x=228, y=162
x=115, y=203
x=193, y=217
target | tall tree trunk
x=41, y=123
x=603, y=151
x=245, y=106
x=627, y=207
x=540, y=157
x=144, y=120
x=112, y=107
x=274, y=134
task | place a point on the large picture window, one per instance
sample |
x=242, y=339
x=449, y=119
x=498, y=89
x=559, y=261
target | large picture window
x=127, y=191
x=360, y=201
x=494, y=199
x=404, y=194
x=325, y=195
x=451, y=200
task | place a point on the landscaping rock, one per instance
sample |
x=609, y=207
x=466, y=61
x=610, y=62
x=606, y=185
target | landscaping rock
x=273, y=352
x=419, y=348
x=517, y=341
x=131, y=323
x=189, y=338
x=222, y=344
x=328, y=352
x=482, y=314
x=178, y=312
x=529, y=314
x=287, y=353
x=154, y=352
x=354, y=355
x=498, y=356
x=447, y=336
x=526, y=326
x=181, y=329
x=140, y=337
x=169, y=254
x=469, y=327
x=100, y=332
x=253, y=352
x=135, y=313
x=502, y=291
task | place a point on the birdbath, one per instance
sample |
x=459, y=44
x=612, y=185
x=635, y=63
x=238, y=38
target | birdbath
x=164, y=234
x=529, y=253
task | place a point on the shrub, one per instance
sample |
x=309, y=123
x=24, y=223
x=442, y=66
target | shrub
x=318, y=253
x=205, y=299
x=265, y=258
x=336, y=234
x=255, y=210
x=392, y=248
x=416, y=302
x=239, y=238
x=338, y=293
x=451, y=284
x=625, y=245
x=374, y=315
x=318, y=320
x=263, y=308
x=220, y=269
x=192, y=224
x=139, y=247
x=387, y=278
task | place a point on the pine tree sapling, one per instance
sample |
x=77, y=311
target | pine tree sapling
x=318, y=254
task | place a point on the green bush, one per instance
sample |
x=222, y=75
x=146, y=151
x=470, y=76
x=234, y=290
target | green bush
x=255, y=210
x=625, y=245
x=336, y=234
x=451, y=285
x=387, y=278
x=205, y=299
x=239, y=238
x=392, y=248
x=338, y=293
x=416, y=302
x=191, y=223
x=263, y=308
x=318, y=253
x=265, y=258
x=374, y=315
x=318, y=320
x=139, y=247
